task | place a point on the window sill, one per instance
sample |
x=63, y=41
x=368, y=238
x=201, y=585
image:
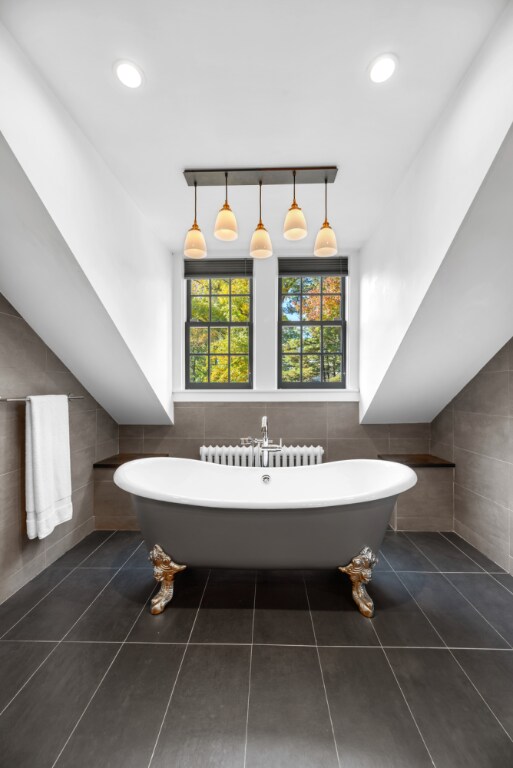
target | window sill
x=268, y=396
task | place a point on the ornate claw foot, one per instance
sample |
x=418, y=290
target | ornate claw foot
x=164, y=570
x=359, y=571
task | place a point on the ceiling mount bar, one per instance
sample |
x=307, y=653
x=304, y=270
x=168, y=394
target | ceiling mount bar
x=216, y=177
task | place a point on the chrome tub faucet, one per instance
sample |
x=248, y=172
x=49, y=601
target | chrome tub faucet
x=264, y=445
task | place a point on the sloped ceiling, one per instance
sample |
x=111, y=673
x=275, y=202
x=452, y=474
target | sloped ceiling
x=287, y=84
x=228, y=83
x=420, y=271
x=98, y=292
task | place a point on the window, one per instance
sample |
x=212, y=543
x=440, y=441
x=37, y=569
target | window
x=218, y=344
x=311, y=326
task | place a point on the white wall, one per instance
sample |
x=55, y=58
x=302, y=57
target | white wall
x=405, y=252
x=466, y=315
x=127, y=267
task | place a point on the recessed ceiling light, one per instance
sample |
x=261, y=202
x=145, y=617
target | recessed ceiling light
x=128, y=73
x=383, y=68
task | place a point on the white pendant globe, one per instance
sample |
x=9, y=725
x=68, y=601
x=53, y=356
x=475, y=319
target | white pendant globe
x=226, y=224
x=261, y=246
x=325, y=242
x=294, y=227
x=195, y=246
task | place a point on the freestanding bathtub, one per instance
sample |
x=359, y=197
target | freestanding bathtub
x=331, y=515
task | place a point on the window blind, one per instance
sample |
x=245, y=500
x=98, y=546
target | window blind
x=303, y=265
x=205, y=268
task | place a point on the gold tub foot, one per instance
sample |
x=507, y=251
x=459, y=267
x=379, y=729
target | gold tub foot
x=164, y=570
x=359, y=571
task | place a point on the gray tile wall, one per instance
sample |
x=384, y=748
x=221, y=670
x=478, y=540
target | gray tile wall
x=335, y=426
x=476, y=431
x=28, y=366
x=429, y=505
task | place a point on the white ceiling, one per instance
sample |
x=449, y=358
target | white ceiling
x=230, y=83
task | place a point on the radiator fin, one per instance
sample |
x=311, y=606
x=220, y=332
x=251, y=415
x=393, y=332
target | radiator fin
x=249, y=456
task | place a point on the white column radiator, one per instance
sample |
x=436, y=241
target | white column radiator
x=249, y=456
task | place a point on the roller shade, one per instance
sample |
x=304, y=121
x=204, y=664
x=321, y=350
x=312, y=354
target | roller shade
x=334, y=265
x=205, y=268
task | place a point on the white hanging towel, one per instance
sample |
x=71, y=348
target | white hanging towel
x=47, y=464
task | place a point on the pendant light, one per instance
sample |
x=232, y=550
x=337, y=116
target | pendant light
x=226, y=223
x=261, y=246
x=294, y=227
x=325, y=242
x=195, y=246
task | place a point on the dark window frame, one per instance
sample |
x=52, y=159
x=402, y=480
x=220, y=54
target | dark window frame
x=218, y=324
x=342, y=323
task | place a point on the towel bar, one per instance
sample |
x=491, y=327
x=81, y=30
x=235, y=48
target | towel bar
x=24, y=399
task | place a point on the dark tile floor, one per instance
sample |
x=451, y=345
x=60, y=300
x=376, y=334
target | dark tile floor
x=249, y=669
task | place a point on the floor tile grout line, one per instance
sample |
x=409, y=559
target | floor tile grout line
x=322, y=673
x=104, y=674
x=394, y=674
x=381, y=555
x=450, y=649
x=474, y=686
x=382, y=648
x=266, y=645
x=477, y=609
x=58, y=642
x=443, y=647
x=72, y=570
x=464, y=553
x=29, y=678
x=439, y=570
x=178, y=672
x=493, y=575
x=404, y=570
x=250, y=670
x=463, y=596
x=102, y=590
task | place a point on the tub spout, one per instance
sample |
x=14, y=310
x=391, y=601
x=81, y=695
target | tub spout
x=164, y=570
x=359, y=571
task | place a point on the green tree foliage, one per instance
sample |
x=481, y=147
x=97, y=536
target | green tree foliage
x=219, y=353
x=311, y=348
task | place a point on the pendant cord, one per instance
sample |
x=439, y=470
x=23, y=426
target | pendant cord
x=294, y=196
x=260, y=201
x=195, y=194
x=325, y=199
x=226, y=187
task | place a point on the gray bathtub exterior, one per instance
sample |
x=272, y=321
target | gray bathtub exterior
x=310, y=538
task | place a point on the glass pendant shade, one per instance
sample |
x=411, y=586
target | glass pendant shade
x=226, y=224
x=261, y=246
x=195, y=246
x=295, y=223
x=325, y=242
x=294, y=227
